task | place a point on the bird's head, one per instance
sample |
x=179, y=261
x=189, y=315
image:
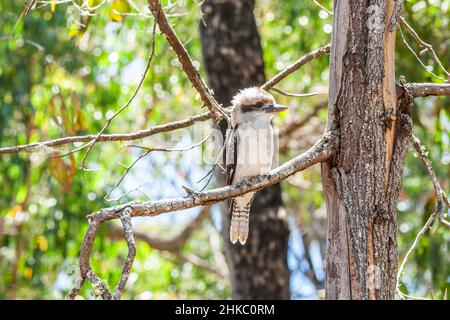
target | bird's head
x=253, y=104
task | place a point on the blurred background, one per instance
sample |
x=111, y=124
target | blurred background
x=65, y=68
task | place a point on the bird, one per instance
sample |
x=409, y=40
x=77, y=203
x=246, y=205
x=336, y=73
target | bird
x=250, y=144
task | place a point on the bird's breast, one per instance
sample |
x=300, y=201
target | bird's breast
x=255, y=151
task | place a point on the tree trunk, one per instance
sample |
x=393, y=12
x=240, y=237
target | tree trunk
x=233, y=59
x=362, y=182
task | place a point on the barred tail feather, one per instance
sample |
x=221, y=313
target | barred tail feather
x=239, y=226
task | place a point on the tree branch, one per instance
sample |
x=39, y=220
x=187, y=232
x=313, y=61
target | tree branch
x=185, y=60
x=441, y=195
x=323, y=8
x=296, y=65
x=321, y=151
x=91, y=144
x=429, y=70
x=171, y=244
x=428, y=89
x=438, y=212
x=295, y=95
x=47, y=146
x=422, y=43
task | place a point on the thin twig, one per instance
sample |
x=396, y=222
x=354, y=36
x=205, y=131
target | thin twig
x=138, y=189
x=148, y=151
x=424, y=44
x=141, y=81
x=438, y=212
x=440, y=193
x=323, y=8
x=417, y=57
x=29, y=7
x=47, y=146
x=296, y=95
x=321, y=151
x=186, y=61
x=295, y=66
x=161, y=243
x=410, y=251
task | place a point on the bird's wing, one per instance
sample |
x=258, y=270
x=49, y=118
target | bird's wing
x=231, y=158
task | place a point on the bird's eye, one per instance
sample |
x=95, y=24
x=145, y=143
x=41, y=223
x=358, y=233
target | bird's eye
x=259, y=104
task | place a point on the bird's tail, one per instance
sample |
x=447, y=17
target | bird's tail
x=239, y=224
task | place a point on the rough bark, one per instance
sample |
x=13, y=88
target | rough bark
x=362, y=182
x=233, y=60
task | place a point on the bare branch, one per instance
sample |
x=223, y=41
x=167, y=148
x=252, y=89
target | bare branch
x=185, y=60
x=428, y=89
x=415, y=89
x=296, y=65
x=148, y=151
x=408, y=254
x=438, y=212
x=29, y=7
x=295, y=95
x=86, y=272
x=440, y=193
x=323, y=8
x=174, y=244
x=321, y=151
x=429, y=70
x=76, y=288
x=47, y=146
x=167, y=244
x=141, y=81
x=424, y=44
x=125, y=217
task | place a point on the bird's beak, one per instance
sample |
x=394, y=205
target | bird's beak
x=274, y=108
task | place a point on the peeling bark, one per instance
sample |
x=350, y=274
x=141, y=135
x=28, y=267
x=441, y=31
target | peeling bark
x=362, y=182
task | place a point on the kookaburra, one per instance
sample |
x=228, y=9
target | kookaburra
x=249, y=150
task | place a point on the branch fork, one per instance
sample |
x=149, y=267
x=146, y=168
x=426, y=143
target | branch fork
x=320, y=152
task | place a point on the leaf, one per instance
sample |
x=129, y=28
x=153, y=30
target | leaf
x=118, y=9
x=52, y=109
x=62, y=172
x=75, y=31
x=42, y=243
x=94, y=3
x=53, y=6
x=79, y=121
x=27, y=273
x=21, y=194
x=121, y=6
x=65, y=116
